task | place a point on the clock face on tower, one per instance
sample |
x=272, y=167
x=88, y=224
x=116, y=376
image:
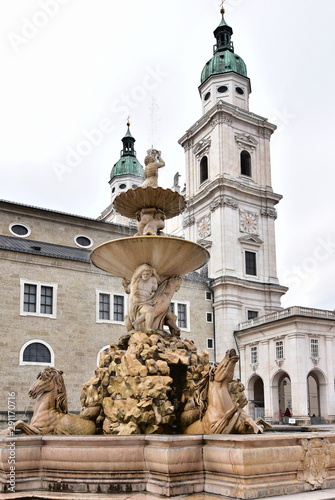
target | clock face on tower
x=248, y=222
x=204, y=227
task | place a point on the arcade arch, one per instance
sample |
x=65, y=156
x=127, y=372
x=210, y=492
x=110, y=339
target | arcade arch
x=281, y=396
x=316, y=389
x=256, y=397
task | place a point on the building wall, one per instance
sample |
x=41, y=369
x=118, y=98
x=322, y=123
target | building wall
x=58, y=228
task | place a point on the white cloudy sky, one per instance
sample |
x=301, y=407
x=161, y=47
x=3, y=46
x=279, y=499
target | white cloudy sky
x=89, y=63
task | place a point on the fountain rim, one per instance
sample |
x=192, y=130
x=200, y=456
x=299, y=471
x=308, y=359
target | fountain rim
x=138, y=245
x=130, y=202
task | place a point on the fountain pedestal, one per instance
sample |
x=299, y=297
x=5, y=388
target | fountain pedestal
x=245, y=467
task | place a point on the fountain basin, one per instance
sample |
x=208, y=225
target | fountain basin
x=169, y=256
x=235, y=466
x=130, y=202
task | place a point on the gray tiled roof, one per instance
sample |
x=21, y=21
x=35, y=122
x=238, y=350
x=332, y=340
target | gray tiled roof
x=42, y=248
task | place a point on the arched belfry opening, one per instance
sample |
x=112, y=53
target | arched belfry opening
x=203, y=169
x=245, y=163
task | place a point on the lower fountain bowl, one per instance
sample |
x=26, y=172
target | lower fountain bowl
x=169, y=256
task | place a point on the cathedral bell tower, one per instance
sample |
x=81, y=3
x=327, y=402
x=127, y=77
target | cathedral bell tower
x=231, y=203
x=126, y=173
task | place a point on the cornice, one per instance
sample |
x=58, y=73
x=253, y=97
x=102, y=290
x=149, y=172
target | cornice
x=223, y=112
x=223, y=189
x=244, y=283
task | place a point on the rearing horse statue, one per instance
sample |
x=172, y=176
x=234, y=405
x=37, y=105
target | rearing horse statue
x=51, y=412
x=218, y=413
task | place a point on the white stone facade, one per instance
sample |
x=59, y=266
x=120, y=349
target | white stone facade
x=295, y=344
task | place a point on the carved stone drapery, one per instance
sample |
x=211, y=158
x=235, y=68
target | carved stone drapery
x=264, y=132
x=269, y=212
x=189, y=143
x=202, y=148
x=221, y=117
x=188, y=221
x=223, y=201
x=246, y=142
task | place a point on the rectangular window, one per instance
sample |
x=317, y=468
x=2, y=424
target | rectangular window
x=250, y=263
x=254, y=354
x=210, y=343
x=182, y=315
x=280, y=349
x=252, y=314
x=110, y=307
x=209, y=317
x=38, y=299
x=314, y=348
x=181, y=310
x=46, y=299
x=30, y=294
x=118, y=308
x=209, y=296
x=104, y=306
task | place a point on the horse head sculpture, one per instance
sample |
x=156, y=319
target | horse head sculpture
x=224, y=371
x=51, y=380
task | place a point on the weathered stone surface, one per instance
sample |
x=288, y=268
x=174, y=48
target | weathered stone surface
x=247, y=466
x=146, y=382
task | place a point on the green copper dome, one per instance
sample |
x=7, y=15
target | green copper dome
x=224, y=62
x=128, y=164
x=224, y=59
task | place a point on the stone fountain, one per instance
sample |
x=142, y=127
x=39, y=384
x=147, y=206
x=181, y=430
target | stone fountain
x=156, y=417
x=151, y=369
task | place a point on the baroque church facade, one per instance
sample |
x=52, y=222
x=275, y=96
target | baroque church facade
x=60, y=310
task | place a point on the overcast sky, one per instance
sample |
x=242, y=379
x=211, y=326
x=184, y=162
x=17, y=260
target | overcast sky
x=72, y=71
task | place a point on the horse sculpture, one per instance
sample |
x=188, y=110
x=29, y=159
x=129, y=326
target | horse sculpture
x=218, y=413
x=51, y=412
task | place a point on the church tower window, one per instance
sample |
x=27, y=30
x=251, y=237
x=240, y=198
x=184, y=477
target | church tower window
x=203, y=169
x=250, y=263
x=245, y=163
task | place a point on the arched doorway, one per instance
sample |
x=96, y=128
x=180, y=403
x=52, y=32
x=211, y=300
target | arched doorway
x=313, y=396
x=281, y=397
x=256, y=397
x=316, y=387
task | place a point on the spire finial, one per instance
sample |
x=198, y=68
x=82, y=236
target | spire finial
x=222, y=10
x=128, y=121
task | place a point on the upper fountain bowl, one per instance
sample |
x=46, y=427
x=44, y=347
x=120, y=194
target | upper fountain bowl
x=131, y=202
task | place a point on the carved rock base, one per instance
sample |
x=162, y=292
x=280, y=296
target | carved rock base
x=146, y=383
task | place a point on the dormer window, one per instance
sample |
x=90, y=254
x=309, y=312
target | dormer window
x=245, y=163
x=203, y=169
